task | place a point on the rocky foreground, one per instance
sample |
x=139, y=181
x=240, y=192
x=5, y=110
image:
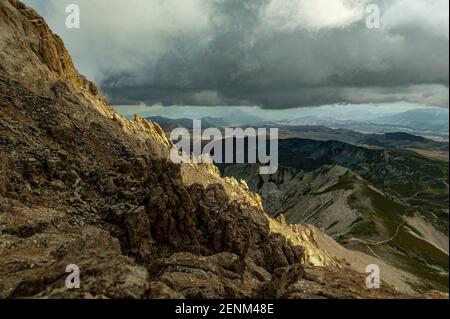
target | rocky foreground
x=81, y=185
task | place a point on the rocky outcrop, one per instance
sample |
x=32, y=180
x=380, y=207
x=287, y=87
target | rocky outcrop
x=38, y=243
x=32, y=54
x=81, y=185
x=90, y=177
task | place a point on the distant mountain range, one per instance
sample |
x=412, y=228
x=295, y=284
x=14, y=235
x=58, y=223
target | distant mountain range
x=168, y=124
x=430, y=119
x=391, y=140
x=234, y=118
x=427, y=121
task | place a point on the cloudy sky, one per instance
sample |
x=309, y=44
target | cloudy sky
x=269, y=53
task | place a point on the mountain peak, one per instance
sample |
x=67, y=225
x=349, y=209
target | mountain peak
x=33, y=55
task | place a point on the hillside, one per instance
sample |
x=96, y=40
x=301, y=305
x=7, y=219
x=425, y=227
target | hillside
x=358, y=216
x=417, y=180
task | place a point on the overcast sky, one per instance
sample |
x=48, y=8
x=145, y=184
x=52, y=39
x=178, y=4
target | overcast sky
x=269, y=53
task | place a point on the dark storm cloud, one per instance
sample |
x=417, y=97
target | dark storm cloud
x=270, y=53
